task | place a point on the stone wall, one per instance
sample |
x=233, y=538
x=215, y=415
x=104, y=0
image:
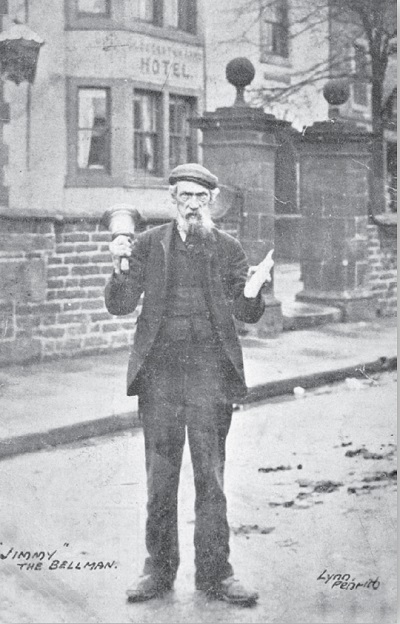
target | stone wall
x=382, y=260
x=52, y=279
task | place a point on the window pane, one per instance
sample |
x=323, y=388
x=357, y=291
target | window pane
x=181, y=139
x=140, y=9
x=279, y=40
x=145, y=112
x=266, y=37
x=360, y=86
x=275, y=29
x=97, y=7
x=146, y=123
x=181, y=14
x=274, y=39
x=280, y=13
x=93, y=129
x=187, y=16
x=275, y=11
x=272, y=12
x=361, y=61
x=145, y=153
x=360, y=93
x=171, y=13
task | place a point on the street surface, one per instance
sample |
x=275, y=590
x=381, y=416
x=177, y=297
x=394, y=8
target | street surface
x=323, y=504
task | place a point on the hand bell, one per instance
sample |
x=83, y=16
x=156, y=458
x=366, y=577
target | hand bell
x=121, y=220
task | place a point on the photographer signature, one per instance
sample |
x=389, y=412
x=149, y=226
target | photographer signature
x=342, y=581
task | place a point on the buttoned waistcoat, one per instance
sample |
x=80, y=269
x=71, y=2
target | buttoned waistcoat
x=225, y=270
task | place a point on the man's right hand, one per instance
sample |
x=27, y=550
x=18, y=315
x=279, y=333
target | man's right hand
x=121, y=250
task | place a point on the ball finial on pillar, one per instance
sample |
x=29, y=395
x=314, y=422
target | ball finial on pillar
x=336, y=92
x=240, y=72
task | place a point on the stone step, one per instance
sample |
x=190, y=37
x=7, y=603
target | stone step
x=297, y=315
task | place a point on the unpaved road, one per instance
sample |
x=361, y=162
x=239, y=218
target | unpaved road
x=323, y=504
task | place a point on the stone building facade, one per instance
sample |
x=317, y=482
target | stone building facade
x=104, y=121
x=296, y=46
x=107, y=114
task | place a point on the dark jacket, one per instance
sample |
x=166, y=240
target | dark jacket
x=225, y=271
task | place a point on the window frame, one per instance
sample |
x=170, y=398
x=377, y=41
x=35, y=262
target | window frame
x=115, y=176
x=266, y=55
x=81, y=20
x=122, y=172
x=116, y=20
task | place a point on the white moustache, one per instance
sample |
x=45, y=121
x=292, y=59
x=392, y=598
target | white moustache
x=200, y=218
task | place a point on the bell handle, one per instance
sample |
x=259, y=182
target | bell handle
x=124, y=265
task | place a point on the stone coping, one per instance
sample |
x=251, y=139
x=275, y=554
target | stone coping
x=385, y=220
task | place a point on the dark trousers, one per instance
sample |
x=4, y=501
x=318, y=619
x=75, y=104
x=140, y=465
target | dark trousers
x=183, y=389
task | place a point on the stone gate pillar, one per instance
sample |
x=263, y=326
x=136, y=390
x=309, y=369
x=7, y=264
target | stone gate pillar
x=239, y=144
x=334, y=162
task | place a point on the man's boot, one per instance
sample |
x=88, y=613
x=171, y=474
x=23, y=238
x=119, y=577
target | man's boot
x=232, y=591
x=147, y=588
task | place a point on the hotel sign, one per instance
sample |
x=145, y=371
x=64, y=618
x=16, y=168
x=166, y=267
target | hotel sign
x=134, y=56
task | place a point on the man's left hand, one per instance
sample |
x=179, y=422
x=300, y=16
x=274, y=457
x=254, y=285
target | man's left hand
x=258, y=276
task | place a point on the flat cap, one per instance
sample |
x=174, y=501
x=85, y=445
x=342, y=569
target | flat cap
x=192, y=172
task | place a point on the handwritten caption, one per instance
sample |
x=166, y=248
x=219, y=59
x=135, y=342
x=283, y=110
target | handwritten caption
x=342, y=581
x=43, y=559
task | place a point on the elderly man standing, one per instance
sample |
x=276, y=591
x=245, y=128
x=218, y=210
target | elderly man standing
x=186, y=367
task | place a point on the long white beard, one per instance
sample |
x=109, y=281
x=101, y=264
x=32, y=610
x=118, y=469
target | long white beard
x=190, y=226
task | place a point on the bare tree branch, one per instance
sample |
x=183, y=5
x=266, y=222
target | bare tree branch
x=348, y=23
